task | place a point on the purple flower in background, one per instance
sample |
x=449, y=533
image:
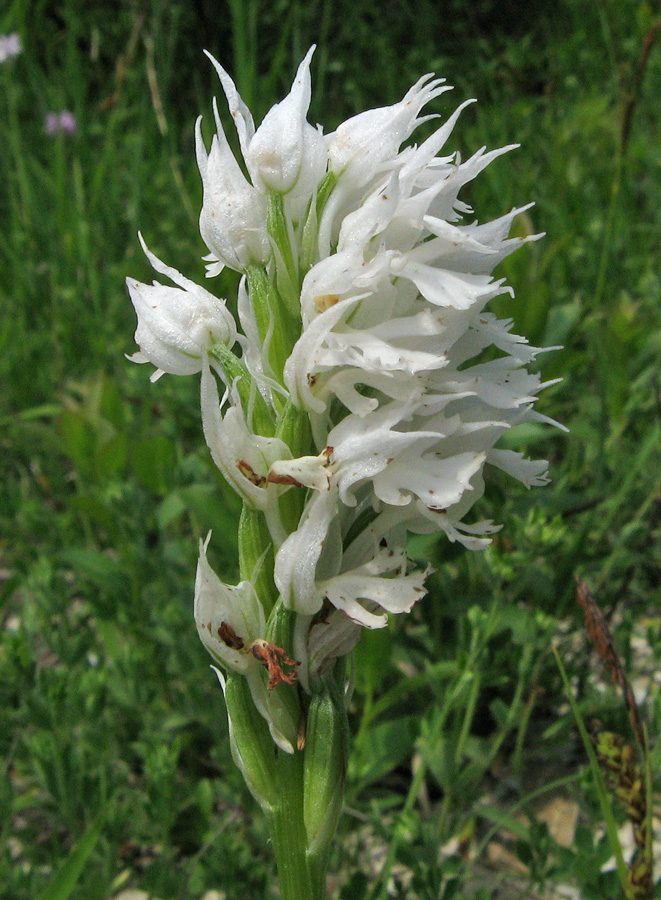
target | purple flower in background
x=60, y=123
x=10, y=46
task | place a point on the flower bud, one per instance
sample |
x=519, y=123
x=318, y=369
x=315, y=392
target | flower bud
x=250, y=741
x=233, y=217
x=177, y=325
x=286, y=152
x=331, y=636
x=324, y=769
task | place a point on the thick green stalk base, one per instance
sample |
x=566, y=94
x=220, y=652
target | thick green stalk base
x=298, y=876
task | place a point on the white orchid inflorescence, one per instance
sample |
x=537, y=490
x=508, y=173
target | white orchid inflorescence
x=358, y=399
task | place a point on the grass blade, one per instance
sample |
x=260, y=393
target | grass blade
x=69, y=873
x=602, y=791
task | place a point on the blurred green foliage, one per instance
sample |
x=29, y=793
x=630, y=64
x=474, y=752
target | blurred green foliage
x=106, y=700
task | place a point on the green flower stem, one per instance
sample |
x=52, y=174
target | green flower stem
x=255, y=565
x=274, y=324
x=235, y=373
x=293, y=427
x=288, y=833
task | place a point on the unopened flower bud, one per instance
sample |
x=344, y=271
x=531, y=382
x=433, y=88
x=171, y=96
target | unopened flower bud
x=233, y=217
x=324, y=769
x=286, y=152
x=177, y=325
x=250, y=741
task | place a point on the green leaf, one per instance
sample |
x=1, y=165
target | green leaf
x=110, y=456
x=77, y=438
x=153, y=461
x=97, y=510
x=45, y=411
x=93, y=564
x=69, y=872
x=373, y=662
x=170, y=509
x=383, y=747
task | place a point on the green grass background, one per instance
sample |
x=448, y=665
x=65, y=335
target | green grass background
x=112, y=727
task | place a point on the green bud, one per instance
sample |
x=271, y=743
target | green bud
x=309, y=253
x=252, y=747
x=324, y=769
x=286, y=266
x=279, y=626
x=293, y=428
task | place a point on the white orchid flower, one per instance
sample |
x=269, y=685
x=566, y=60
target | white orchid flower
x=243, y=458
x=297, y=559
x=365, y=582
x=228, y=618
x=396, y=593
x=364, y=143
x=231, y=624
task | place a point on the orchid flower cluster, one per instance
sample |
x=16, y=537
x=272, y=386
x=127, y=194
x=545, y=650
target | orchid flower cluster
x=357, y=398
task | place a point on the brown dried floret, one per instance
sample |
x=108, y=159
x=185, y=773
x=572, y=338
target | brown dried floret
x=273, y=658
